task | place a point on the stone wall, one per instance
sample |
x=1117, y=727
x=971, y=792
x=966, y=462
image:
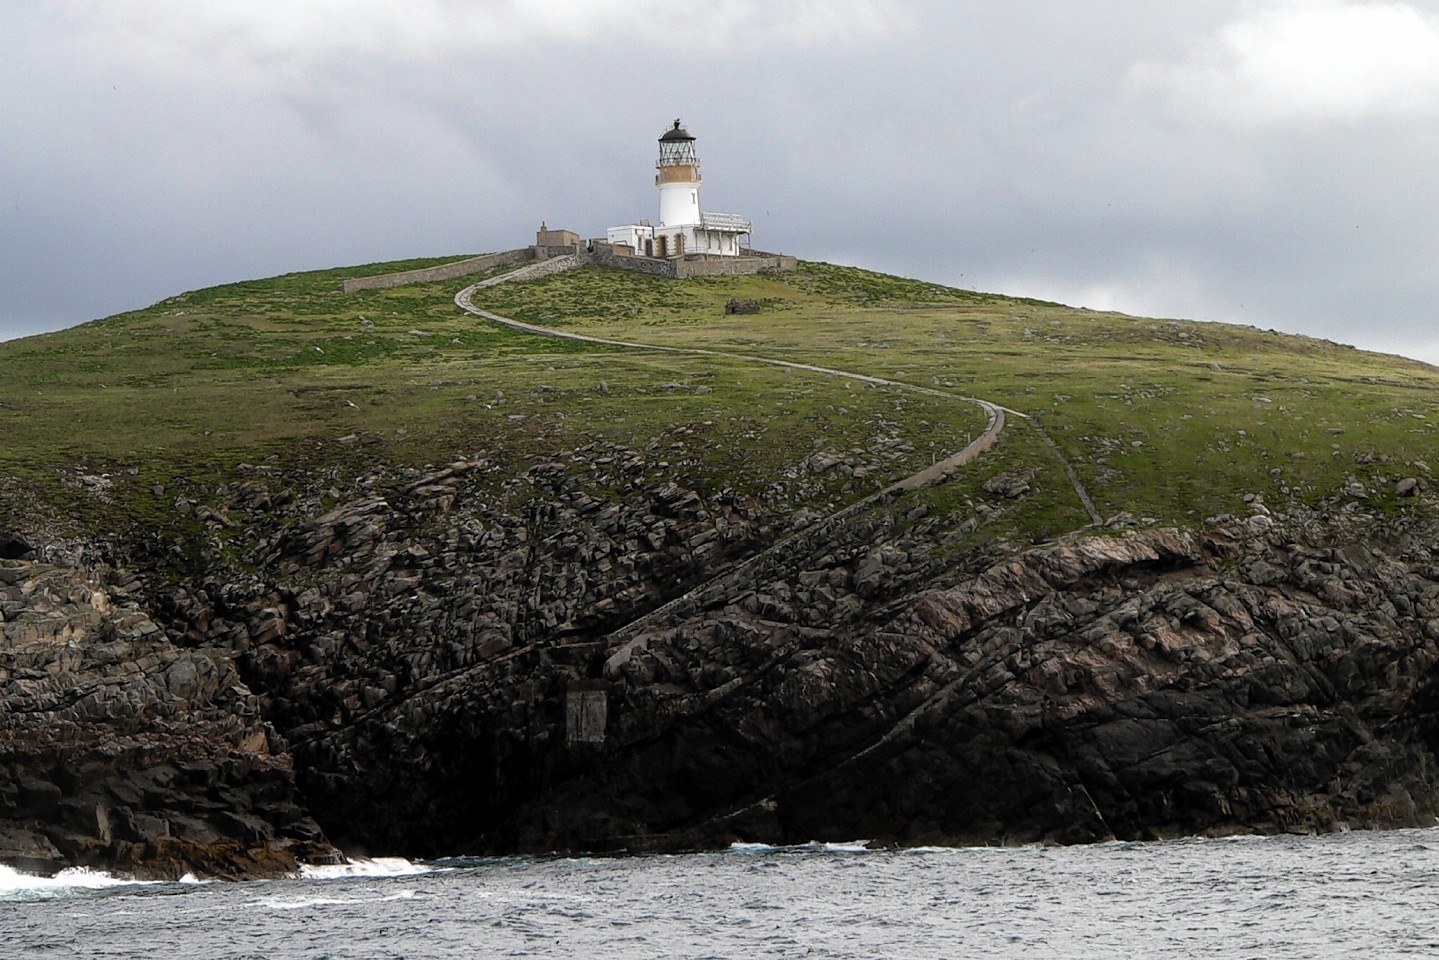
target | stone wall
x=445, y=271
x=541, y=268
x=604, y=254
x=697, y=266
x=735, y=266
x=543, y=251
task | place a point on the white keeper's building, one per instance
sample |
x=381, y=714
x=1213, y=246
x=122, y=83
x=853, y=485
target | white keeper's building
x=683, y=227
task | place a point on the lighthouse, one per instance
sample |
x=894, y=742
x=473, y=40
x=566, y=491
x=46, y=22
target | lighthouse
x=684, y=228
x=678, y=178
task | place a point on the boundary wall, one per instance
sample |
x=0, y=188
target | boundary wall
x=735, y=266
x=602, y=253
x=697, y=266
x=445, y=271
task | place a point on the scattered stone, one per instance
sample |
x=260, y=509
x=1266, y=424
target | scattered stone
x=1010, y=486
x=820, y=462
x=803, y=517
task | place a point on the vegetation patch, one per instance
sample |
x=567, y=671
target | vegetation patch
x=1162, y=420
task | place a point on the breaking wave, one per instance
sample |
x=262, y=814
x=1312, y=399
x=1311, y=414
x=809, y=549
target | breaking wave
x=364, y=867
x=17, y=886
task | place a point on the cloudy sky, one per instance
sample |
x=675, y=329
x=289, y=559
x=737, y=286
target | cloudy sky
x=1268, y=162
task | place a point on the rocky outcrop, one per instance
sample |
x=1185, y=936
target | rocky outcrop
x=588, y=655
x=586, y=673
x=414, y=648
x=120, y=750
x=1113, y=687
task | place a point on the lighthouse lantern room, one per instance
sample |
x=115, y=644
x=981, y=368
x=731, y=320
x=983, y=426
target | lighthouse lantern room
x=683, y=227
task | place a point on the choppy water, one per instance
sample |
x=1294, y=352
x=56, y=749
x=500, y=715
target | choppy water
x=1359, y=894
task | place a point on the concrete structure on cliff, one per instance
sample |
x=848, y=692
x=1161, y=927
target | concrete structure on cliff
x=684, y=227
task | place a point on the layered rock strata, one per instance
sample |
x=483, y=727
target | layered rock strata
x=122, y=751
x=645, y=674
x=638, y=665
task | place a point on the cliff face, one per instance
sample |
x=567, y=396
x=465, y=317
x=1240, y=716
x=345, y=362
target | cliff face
x=424, y=671
x=120, y=750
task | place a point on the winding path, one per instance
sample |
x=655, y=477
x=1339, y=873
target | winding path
x=929, y=475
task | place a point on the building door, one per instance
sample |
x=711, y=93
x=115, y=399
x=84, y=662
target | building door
x=660, y=244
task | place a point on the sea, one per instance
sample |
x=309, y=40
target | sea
x=1359, y=894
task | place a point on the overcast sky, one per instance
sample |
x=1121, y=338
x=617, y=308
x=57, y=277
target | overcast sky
x=1268, y=162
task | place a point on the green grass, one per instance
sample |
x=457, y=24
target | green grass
x=1168, y=420
x=1162, y=418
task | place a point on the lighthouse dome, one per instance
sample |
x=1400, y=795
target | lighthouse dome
x=674, y=133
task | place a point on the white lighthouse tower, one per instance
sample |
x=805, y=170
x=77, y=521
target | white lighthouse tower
x=683, y=228
x=678, y=179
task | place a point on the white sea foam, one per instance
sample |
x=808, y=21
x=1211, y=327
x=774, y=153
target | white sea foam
x=865, y=846
x=752, y=848
x=364, y=867
x=852, y=846
x=927, y=851
x=15, y=885
x=308, y=903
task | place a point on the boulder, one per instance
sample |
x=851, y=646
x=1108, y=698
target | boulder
x=13, y=546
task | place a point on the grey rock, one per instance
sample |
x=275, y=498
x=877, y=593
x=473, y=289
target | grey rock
x=583, y=652
x=121, y=734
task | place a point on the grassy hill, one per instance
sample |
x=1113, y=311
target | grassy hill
x=1169, y=421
